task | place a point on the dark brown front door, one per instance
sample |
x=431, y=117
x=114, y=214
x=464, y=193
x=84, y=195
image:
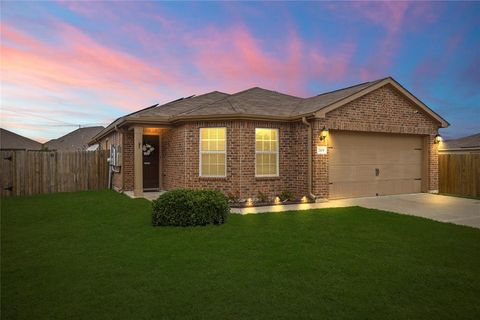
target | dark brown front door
x=150, y=162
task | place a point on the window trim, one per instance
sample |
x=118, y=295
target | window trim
x=277, y=152
x=200, y=152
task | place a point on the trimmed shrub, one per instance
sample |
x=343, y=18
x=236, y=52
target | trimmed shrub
x=262, y=197
x=186, y=207
x=286, y=195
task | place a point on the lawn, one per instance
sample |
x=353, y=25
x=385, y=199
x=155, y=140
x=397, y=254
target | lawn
x=94, y=255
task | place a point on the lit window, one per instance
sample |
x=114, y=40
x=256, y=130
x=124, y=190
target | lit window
x=213, y=152
x=266, y=152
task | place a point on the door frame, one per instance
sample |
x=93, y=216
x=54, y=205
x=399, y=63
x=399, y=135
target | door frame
x=138, y=132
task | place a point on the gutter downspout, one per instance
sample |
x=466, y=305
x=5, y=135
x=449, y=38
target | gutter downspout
x=309, y=153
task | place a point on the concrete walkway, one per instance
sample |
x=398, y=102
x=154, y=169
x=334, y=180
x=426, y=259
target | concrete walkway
x=149, y=195
x=437, y=207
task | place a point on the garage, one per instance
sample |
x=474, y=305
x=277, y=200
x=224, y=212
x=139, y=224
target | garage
x=374, y=164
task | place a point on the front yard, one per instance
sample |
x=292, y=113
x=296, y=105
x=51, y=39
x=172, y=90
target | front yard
x=95, y=255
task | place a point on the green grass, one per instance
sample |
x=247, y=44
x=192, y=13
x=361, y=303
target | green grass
x=94, y=255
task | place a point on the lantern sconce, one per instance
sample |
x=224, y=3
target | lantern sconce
x=438, y=138
x=323, y=134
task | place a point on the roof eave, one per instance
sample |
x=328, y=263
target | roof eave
x=238, y=116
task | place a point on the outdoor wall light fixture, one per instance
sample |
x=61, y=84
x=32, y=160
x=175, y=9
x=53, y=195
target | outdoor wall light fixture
x=323, y=134
x=438, y=138
x=249, y=202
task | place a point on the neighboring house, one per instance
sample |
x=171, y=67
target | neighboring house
x=374, y=138
x=74, y=141
x=11, y=141
x=470, y=144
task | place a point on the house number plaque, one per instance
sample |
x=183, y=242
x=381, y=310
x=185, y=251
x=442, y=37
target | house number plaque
x=321, y=149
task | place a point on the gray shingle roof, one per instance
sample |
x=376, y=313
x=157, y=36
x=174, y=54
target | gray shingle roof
x=168, y=109
x=75, y=140
x=472, y=141
x=316, y=103
x=11, y=140
x=254, y=101
x=180, y=106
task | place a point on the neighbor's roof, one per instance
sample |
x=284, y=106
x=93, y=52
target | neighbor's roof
x=12, y=141
x=257, y=103
x=75, y=140
x=469, y=142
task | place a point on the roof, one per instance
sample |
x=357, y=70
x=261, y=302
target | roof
x=75, y=140
x=469, y=142
x=166, y=110
x=13, y=141
x=258, y=103
x=254, y=101
x=320, y=101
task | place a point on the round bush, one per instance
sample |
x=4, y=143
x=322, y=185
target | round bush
x=186, y=207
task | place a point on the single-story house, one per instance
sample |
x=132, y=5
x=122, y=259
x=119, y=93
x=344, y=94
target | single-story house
x=465, y=145
x=12, y=141
x=374, y=138
x=76, y=140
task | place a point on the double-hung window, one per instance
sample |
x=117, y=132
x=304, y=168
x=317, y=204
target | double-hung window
x=213, y=152
x=266, y=152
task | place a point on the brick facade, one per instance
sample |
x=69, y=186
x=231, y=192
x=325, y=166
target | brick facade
x=127, y=160
x=240, y=179
x=384, y=110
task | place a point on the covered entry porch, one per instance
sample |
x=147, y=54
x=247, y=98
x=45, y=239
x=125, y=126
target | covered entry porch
x=147, y=159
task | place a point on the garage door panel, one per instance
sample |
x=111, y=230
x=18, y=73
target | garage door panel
x=356, y=156
x=375, y=188
x=368, y=172
x=399, y=171
x=354, y=159
x=353, y=189
x=399, y=186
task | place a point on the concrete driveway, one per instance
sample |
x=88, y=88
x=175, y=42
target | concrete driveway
x=437, y=207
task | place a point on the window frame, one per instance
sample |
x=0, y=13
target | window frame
x=277, y=152
x=200, y=152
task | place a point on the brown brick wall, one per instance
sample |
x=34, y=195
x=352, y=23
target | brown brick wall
x=127, y=161
x=180, y=171
x=383, y=110
x=173, y=158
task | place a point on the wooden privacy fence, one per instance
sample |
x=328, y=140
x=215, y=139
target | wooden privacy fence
x=459, y=174
x=36, y=172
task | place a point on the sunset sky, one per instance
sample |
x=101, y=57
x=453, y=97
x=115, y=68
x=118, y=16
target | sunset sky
x=86, y=63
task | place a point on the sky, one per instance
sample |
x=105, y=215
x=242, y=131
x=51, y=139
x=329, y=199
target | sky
x=66, y=64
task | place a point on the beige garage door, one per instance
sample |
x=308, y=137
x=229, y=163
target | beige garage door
x=369, y=164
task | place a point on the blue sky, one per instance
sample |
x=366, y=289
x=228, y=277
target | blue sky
x=68, y=63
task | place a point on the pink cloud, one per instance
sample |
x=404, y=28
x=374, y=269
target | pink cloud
x=80, y=63
x=394, y=19
x=236, y=58
x=79, y=71
x=390, y=15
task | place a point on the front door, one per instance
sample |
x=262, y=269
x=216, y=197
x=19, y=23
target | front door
x=150, y=162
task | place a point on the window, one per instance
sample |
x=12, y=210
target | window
x=266, y=152
x=213, y=152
